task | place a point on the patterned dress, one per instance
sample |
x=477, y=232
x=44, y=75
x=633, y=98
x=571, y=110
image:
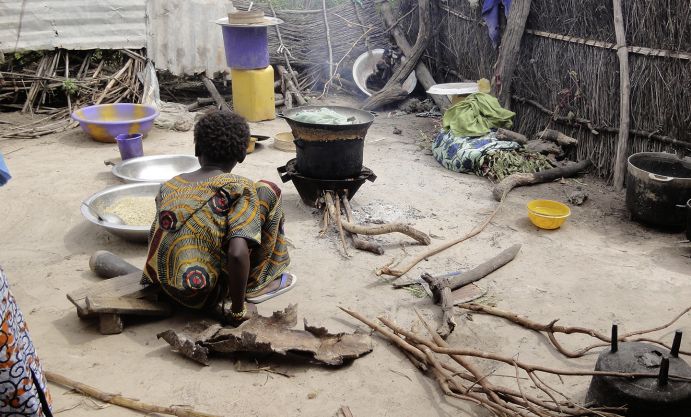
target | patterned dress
x=23, y=390
x=194, y=224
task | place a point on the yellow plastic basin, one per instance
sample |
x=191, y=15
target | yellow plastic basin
x=548, y=214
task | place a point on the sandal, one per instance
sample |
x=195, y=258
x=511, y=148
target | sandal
x=282, y=287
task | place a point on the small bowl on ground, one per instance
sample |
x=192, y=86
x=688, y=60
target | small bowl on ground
x=104, y=122
x=284, y=141
x=155, y=168
x=110, y=196
x=548, y=214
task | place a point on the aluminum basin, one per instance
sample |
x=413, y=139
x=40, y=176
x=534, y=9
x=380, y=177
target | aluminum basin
x=105, y=198
x=155, y=168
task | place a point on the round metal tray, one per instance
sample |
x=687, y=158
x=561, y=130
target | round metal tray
x=155, y=168
x=108, y=196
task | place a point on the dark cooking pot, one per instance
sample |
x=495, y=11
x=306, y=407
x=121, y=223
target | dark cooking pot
x=327, y=151
x=658, y=183
x=322, y=132
x=688, y=220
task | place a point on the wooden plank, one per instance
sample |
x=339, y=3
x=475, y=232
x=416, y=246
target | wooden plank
x=110, y=324
x=123, y=286
x=126, y=306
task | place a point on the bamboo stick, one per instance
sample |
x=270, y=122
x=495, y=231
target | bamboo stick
x=121, y=401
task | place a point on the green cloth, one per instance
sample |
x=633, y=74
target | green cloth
x=476, y=115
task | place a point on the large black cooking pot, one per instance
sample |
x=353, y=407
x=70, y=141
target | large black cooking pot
x=658, y=186
x=329, y=151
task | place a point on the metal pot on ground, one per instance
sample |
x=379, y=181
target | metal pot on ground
x=658, y=187
x=327, y=151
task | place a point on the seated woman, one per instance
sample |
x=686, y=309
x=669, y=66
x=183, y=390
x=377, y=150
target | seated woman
x=217, y=235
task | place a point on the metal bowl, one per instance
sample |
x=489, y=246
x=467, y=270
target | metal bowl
x=105, y=198
x=155, y=168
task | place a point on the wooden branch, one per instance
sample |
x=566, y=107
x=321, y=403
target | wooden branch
x=595, y=130
x=551, y=328
x=220, y=102
x=291, y=88
x=505, y=134
x=519, y=180
x=388, y=270
x=448, y=323
x=422, y=72
x=459, y=279
x=339, y=224
x=620, y=165
x=358, y=242
x=403, y=71
x=113, y=80
x=639, y=50
x=328, y=40
x=378, y=229
x=556, y=137
x=510, y=51
x=121, y=401
x=385, y=96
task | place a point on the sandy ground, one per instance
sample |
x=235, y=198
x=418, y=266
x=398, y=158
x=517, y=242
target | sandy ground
x=598, y=269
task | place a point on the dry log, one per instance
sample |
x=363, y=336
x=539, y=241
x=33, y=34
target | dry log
x=510, y=50
x=220, y=102
x=457, y=280
x=339, y=224
x=518, y=180
x=423, y=74
x=448, y=323
x=624, y=93
x=291, y=88
x=121, y=401
x=384, y=97
x=378, y=229
x=545, y=148
x=556, y=137
x=505, y=134
x=358, y=242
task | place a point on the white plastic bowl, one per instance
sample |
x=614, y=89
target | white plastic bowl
x=364, y=67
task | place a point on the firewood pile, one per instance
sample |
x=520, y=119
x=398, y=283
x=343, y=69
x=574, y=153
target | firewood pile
x=55, y=83
x=526, y=389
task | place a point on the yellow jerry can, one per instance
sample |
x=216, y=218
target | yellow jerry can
x=253, y=93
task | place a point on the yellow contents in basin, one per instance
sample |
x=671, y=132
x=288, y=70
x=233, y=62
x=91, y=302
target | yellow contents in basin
x=548, y=214
x=134, y=211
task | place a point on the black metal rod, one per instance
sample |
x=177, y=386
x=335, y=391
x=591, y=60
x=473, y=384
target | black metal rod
x=664, y=373
x=615, y=339
x=676, y=344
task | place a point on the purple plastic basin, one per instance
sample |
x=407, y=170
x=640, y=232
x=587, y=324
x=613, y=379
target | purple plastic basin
x=104, y=122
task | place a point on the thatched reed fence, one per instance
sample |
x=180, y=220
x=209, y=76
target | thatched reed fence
x=568, y=73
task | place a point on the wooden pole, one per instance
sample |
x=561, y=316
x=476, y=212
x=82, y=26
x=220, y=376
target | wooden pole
x=423, y=74
x=510, y=50
x=218, y=98
x=120, y=400
x=393, y=90
x=624, y=92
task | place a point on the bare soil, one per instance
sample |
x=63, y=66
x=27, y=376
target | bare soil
x=597, y=269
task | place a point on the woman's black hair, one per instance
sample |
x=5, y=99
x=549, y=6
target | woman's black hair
x=221, y=136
